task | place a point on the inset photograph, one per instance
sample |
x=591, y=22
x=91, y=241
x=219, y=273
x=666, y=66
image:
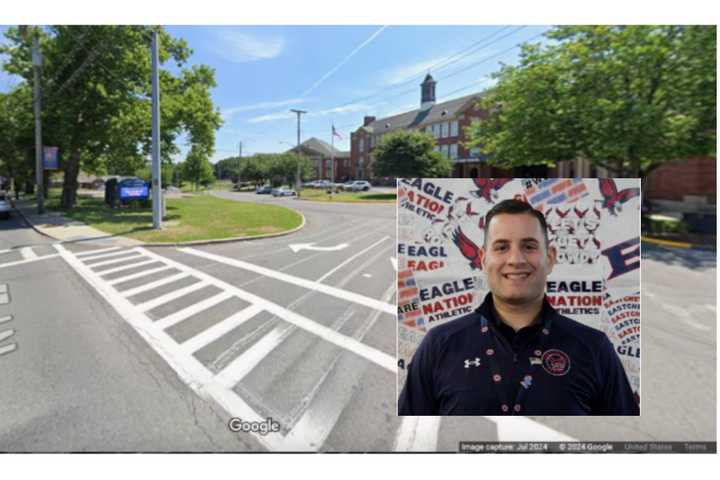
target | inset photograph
x=519, y=296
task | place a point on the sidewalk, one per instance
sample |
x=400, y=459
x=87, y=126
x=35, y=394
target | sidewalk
x=58, y=227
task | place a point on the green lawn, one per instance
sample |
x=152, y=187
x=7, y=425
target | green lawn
x=320, y=195
x=201, y=217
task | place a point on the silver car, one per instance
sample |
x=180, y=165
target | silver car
x=6, y=206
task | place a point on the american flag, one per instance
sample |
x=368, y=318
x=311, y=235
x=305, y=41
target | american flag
x=335, y=133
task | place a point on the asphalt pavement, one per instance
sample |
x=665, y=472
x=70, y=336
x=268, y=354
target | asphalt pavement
x=157, y=348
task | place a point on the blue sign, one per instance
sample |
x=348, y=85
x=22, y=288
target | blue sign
x=51, y=158
x=133, y=189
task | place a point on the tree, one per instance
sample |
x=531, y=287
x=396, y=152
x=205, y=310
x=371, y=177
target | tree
x=626, y=98
x=97, y=102
x=409, y=153
x=17, y=141
x=284, y=168
x=197, y=168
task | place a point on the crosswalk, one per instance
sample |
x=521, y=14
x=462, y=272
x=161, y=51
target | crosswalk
x=11, y=257
x=320, y=380
x=115, y=273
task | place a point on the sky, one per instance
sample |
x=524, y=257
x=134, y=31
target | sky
x=338, y=74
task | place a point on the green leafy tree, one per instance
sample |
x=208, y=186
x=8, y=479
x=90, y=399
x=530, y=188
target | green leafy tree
x=97, y=103
x=409, y=153
x=627, y=98
x=17, y=144
x=284, y=168
x=197, y=168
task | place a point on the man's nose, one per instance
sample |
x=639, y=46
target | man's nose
x=516, y=256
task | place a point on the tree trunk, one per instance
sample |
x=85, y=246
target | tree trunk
x=70, y=183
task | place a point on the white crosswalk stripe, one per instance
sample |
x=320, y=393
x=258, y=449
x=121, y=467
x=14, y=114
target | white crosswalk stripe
x=158, y=283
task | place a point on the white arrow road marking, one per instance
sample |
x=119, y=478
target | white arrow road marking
x=6, y=318
x=296, y=247
x=351, y=259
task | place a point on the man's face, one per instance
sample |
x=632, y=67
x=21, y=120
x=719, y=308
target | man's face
x=516, y=259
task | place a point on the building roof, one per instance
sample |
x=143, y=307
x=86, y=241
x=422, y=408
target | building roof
x=414, y=118
x=323, y=148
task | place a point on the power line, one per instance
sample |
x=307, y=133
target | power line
x=447, y=59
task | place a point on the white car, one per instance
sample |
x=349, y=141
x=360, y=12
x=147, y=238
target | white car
x=359, y=186
x=6, y=206
x=283, y=192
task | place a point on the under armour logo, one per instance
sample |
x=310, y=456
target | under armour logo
x=475, y=362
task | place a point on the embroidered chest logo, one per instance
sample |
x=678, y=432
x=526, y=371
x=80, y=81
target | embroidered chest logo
x=475, y=363
x=556, y=362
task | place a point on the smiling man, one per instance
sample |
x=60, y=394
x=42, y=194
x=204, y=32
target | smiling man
x=515, y=355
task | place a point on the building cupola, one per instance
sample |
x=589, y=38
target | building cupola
x=427, y=98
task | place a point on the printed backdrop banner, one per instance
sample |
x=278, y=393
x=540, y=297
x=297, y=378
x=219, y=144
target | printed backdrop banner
x=594, y=224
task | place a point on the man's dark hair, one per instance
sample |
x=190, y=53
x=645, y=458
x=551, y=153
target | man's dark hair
x=515, y=207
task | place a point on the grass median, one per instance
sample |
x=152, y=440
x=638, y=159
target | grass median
x=190, y=218
x=320, y=195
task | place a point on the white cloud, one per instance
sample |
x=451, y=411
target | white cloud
x=240, y=47
x=271, y=117
x=345, y=109
x=230, y=112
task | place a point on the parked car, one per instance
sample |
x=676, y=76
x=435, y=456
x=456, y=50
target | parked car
x=6, y=205
x=283, y=192
x=265, y=189
x=359, y=185
x=312, y=184
x=346, y=186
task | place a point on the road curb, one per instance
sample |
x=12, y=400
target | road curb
x=676, y=244
x=170, y=244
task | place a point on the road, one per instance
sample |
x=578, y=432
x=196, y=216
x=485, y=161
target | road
x=155, y=349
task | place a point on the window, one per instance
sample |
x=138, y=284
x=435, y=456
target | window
x=446, y=151
x=429, y=129
x=453, y=151
x=454, y=128
x=361, y=145
x=436, y=148
x=475, y=152
x=444, y=131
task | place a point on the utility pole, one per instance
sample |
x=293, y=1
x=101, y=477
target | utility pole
x=39, y=183
x=297, y=175
x=156, y=168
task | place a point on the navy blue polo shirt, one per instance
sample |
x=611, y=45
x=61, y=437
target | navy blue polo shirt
x=476, y=365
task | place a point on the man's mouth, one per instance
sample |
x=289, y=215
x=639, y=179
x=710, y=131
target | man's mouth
x=516, y=275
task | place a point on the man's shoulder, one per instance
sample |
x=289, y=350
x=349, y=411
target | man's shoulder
x=578, y=331
x=457, y=326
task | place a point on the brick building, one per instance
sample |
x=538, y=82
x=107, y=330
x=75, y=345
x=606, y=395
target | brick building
x=320, y=153
x=690, y=182
x=447, y=122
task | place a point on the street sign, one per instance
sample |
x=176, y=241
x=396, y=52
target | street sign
x=51, y=158
x=133, y=189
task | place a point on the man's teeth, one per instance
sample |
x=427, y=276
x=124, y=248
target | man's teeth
x=517, y=275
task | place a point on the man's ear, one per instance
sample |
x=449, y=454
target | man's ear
x=552, y=257
x=481, y=254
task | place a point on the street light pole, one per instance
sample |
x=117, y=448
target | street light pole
x=156, y=168
x=297, y=175
x=37, y=63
